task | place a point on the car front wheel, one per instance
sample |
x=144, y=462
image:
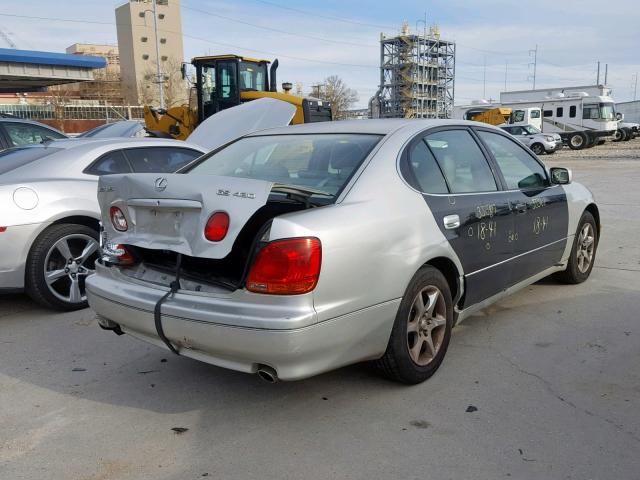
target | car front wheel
x=583, y=252
x=58, y=264
x=537, y=148
x=422, y=329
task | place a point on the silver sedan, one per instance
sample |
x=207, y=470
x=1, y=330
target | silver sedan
x=50, y=215
x=297, y=250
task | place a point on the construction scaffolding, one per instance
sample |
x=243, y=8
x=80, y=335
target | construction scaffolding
x=417, y=76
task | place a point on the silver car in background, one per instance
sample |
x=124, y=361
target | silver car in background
x=533, y=138
x=297, y=250
x=49, y=217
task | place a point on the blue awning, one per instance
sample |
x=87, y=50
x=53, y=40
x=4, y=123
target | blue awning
x=50, y=58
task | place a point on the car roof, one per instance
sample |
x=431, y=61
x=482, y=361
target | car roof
x=384, y=126
x=72, y=155
x=4, y=119
x=82, y=144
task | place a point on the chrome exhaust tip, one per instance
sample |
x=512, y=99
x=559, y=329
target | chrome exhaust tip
x=267, y=374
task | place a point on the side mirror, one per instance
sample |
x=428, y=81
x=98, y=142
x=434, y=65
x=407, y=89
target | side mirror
x=183, y=71
x=619, y=116
x=560, y=176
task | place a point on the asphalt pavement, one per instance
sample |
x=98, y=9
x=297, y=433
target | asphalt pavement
x=542, y=385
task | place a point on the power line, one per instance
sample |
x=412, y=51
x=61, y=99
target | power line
x=270, y=29
x=327, y=17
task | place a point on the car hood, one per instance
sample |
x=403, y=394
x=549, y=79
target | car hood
x=235, y=122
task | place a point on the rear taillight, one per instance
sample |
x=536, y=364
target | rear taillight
x=217, y=227
x=3, y=229
x=118, y=254
x=118, y=219
x=286, y=267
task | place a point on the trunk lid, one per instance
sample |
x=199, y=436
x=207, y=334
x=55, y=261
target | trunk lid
x=169, y=212
x=235, y=122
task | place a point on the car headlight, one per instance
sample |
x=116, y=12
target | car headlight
x=549, y=138
x=25, y=198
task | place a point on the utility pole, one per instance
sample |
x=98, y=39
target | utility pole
x=635, y=88
x=484, y=79
x=506, y=66
x=159, y=78
x=598, y=77
x=534, y=52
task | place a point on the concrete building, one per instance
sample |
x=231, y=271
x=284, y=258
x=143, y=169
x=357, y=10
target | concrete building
x=137, y=47
x=106, y=86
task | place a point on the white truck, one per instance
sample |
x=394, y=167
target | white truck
x=582, y=116
x=519, y=116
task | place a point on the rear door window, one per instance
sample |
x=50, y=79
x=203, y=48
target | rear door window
x=421, y=171
x=109, y=164
x=519, y=169
x=25, y=133
x=159, y=159
x=462, y=162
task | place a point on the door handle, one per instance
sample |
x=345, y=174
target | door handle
x=451, y=222
x=521, y=207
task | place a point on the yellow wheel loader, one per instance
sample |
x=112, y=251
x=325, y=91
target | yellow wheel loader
x=225, y=81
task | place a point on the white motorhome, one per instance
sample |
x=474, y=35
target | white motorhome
x=580, y=115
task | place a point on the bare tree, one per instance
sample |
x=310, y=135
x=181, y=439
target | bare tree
x=176, y=91
x=341, y=97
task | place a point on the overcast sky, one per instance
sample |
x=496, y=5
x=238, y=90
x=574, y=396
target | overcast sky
x=316, y=39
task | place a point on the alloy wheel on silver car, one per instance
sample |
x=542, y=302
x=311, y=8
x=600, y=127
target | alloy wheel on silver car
x=426, y=325
x=585, y=247
x=67, y=264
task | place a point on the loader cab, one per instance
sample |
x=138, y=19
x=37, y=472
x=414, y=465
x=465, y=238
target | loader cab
x=220, y=81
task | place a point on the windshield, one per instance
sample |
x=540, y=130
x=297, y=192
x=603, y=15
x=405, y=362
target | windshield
x=601, y=111
x=320, y=162
x=253, y=76
x=531, y=130
x=17, y=157
x=607, y=111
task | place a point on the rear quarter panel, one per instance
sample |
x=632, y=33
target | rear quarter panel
x=373, y=242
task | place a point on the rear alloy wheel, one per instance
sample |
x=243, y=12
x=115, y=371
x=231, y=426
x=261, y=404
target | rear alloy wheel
x=577, y=141
x=537, y=148
x=583, y=252
x=421, y=331
x=61, y=259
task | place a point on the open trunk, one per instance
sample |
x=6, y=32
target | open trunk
x=166, y=216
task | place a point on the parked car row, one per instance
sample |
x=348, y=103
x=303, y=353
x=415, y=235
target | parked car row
x=294, y=250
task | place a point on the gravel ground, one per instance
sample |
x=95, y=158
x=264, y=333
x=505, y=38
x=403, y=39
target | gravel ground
x=609, y=150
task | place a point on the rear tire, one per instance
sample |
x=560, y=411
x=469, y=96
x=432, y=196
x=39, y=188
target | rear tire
x=583, y=252
x=58, y=263
x=577, y=141
x=537, y=148
x=422, y=329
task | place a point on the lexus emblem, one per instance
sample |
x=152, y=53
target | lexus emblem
x=160, y=184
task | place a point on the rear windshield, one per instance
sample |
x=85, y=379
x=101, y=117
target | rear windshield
x=323, y=162
x=17, y=157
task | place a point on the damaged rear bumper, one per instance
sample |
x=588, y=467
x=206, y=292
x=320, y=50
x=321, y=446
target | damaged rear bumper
x=242, y=331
